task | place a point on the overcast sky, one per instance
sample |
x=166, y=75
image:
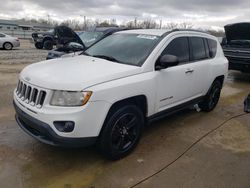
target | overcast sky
x=199, y=12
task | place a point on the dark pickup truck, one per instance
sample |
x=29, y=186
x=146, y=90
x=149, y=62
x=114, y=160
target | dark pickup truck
x=236, y=46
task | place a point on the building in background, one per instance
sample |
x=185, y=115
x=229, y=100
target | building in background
x=22, y=29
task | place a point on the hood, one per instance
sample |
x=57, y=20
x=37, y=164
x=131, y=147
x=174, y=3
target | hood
x=76, y=73
x=66, y=35
x=238, y=31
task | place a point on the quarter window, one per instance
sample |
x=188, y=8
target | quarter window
x=178, y=47
x=212, y=44
x=198, y=48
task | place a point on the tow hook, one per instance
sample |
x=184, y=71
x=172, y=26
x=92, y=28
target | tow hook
x=247, y=104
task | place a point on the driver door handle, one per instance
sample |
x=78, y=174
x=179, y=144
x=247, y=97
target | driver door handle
x=189, y=71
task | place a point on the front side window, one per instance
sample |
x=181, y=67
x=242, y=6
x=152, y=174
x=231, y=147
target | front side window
x=2, y=35
x=179, y=48
x=131, y=49
x=198, y=48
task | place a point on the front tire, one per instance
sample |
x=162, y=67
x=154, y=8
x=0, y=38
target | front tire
x=48, y=45
x=39, y=45
x=212, y=98
x=7, y=46
x=121, y=133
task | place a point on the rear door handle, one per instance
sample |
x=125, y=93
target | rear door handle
x=189, y=71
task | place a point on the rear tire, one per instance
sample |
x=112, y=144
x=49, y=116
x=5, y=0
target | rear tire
x=39, y=45
x=212, y=98
x=7, y=46
x=121, y=133
x=48, y=45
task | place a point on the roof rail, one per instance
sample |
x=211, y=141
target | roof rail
x=195, y=30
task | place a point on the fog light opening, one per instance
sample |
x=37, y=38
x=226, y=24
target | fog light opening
x=64, y=126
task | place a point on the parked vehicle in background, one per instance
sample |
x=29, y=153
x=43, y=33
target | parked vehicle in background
x=60, y=35
x=236, y=46
x=106, y=96
x=44, y=39
x=84, y=40
x=8, y=42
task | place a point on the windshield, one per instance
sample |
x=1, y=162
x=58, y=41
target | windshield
x=132, y=49
x=90, y=37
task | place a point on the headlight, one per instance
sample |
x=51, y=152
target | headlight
x=70, y=98
x=40, y=35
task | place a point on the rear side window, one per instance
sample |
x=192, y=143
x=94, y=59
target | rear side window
x=212, y=44
x=178, y=47
x=198, y=48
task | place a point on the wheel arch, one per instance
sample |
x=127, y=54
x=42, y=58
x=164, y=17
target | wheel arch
x=220, y=79
x=47, y=38
x=139, y=100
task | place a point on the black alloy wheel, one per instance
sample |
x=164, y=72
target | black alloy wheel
x=121, y=132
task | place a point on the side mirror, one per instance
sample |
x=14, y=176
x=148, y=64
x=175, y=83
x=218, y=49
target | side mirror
x=166, y=61
x=74, y=46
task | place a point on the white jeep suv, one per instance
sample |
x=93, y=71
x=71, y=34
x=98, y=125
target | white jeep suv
x=107, y=95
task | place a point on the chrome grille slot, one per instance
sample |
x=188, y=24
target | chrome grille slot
x=34, y=96
x=31, y=95
x=20, y=89
x=23, y=91
x=27, y=94
x=41, y=98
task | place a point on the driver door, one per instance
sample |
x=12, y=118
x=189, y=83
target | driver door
x=174, y=83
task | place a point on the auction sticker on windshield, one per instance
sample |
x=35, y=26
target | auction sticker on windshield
x=150, y=37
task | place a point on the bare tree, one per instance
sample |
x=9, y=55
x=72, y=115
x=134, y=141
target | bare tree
x=130, y=24
x=185, y=25
x=171, y=26
x=148, y=24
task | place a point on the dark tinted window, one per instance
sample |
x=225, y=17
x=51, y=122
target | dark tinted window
x=178, y=47
x=212, y=44
x=198, y=48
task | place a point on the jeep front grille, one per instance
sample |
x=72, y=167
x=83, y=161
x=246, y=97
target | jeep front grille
x=30, y=95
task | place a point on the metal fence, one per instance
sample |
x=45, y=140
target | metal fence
x=22, y=34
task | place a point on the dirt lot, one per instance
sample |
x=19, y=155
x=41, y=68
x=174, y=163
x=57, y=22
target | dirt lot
x=189, y=149
x=27, y=53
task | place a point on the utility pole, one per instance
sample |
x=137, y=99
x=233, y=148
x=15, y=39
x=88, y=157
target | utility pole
x=48, y=18
x=160, y=23
x=84, y=21
x=135, y=22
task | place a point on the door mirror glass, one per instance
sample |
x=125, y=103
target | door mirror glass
x=166, y=61
x=74, y=46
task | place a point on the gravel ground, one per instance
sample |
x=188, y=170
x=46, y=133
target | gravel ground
x=25, y=54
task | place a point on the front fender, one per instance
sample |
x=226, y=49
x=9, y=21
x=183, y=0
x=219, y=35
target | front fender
x=120, y=89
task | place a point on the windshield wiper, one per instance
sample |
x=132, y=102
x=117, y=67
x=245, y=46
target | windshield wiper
x=84, y=53
x=109, y=58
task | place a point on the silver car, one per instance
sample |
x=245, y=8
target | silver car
x=8, y=42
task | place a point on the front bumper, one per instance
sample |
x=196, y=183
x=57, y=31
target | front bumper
x=44, y=133
x=239, y=64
